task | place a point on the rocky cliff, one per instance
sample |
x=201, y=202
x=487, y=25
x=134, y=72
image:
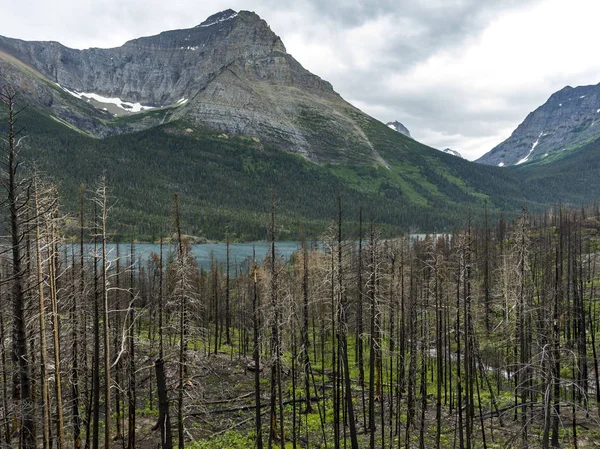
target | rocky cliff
x=157, y=70
x=570, y=118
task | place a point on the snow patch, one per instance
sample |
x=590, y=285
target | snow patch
x=560, y=104
x=391, y=125
x=218, y=21
x=182, y=102
x=530, y=151
x=501, y=164
x=583, y=96
x=125, y=105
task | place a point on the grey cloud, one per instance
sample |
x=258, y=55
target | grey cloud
x=441, y=24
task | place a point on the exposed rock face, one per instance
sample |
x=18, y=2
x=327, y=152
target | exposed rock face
x=399, y=127
x=231, y=73
x=157, y=70
x=570, y=118
x=452, y=152
x=37, y=91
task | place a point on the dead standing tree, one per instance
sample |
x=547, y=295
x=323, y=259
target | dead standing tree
x=184, y=275
x=48, y=272
x=101, y=201
x=276, y=399
x=164, y=418
x=42, y=321
x=18, y=195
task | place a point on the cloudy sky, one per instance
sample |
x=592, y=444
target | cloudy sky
x=458, y=73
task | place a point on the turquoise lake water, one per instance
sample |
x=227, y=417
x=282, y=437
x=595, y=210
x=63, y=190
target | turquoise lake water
x=239, y=253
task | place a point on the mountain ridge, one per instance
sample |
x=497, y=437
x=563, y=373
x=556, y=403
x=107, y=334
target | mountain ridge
x=569, y=119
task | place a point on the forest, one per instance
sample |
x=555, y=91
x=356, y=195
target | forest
x=485, y=337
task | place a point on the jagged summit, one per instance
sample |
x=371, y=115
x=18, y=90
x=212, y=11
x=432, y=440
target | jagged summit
x=397, y=126
x=222, y=16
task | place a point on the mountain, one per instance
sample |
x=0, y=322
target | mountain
x=397, y=126
x=566, y=121
x=231, y=73
x=223, y=115
x=452, y=152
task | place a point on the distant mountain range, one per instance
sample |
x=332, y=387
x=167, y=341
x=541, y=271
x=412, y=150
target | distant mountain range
x=569, y=119
x=223, y=115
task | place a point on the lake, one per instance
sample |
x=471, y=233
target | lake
x=238, y=252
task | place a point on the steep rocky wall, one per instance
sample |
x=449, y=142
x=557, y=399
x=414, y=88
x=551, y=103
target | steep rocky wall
x=569, y=118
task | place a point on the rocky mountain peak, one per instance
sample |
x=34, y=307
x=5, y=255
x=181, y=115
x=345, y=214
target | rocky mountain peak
x=158, y=70
x=452, y=152
x=219, y=17
x=231, y=74
x=397, y=126
x=568, y=119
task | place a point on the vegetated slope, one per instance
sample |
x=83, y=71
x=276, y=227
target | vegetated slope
x=569, y=119
x=570, y=179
